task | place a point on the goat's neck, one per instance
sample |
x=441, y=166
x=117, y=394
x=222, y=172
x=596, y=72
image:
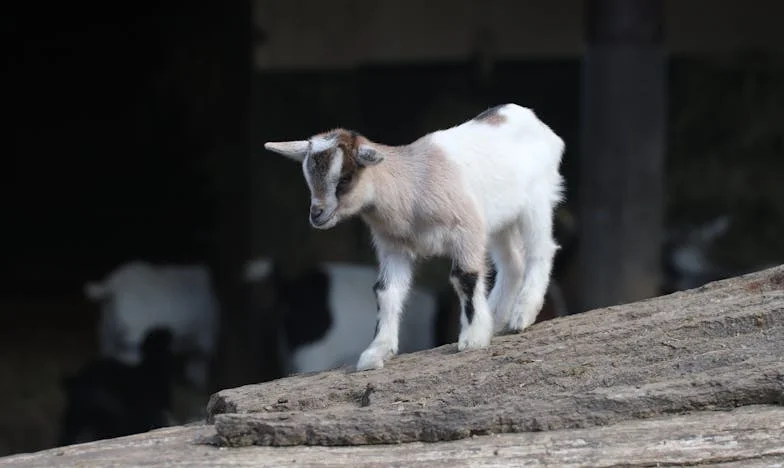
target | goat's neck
x=394, y=186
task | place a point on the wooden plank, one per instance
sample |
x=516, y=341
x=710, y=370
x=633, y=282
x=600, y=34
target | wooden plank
x=620, y=372
x=745, y=437
x=716, y=347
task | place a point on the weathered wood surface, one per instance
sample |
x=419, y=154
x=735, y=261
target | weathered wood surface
x=714, y=348
x=747, y=437
x=694, y=378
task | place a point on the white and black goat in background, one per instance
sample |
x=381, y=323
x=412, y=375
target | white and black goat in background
x=138, y=296
x=324, y=317
x=488, y=185
x=108, y=398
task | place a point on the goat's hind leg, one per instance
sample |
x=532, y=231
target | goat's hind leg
x=536, y=226
x=506, y=249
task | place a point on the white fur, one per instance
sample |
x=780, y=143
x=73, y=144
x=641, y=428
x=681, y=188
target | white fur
x=138, y=296
x=493, y=191
x=396, y=272
x=353, y=303
x=512, y=172
x=509, y=172
x=321, y=144
x=506, y=168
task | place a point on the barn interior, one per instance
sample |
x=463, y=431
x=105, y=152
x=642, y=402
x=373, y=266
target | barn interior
x=137, y=133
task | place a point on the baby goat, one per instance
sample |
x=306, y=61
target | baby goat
x=488, y=184
x=138, y=296
x=325, y=322
x=108, y=398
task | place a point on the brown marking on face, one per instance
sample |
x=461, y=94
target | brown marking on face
x=491, y=116
x=348, y=141
x=320, y=163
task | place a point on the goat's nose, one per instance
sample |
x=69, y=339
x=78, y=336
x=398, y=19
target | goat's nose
x=316, y=211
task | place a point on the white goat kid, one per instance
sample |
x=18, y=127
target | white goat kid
x=138, y=296
x=488, y=184
x=346, y=304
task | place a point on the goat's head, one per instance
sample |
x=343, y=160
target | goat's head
x=333, y=164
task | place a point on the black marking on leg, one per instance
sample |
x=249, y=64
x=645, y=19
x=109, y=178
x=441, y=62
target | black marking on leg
x=467, y=282
x=378, y=286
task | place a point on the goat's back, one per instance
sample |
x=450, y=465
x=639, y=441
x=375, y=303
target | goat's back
x=505, y=162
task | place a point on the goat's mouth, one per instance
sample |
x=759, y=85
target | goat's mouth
x=325, y=222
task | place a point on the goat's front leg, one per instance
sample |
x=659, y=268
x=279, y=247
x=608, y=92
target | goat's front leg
x=392, y=288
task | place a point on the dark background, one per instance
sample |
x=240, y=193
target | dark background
x=136, y=130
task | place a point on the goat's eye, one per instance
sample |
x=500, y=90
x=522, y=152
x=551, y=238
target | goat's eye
x=343, y=183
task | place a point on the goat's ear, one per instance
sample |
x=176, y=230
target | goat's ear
x=295, y=150
x=368, y=156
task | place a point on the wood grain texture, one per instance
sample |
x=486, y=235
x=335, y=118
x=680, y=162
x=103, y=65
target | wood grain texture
x=714, y=348
x=745, y=437
x=694, y=378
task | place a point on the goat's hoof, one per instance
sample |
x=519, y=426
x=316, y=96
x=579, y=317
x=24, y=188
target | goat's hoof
x=500, y=330
x=473, y=338
x=506, y=330
x=372, y=358
x=517, y=326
